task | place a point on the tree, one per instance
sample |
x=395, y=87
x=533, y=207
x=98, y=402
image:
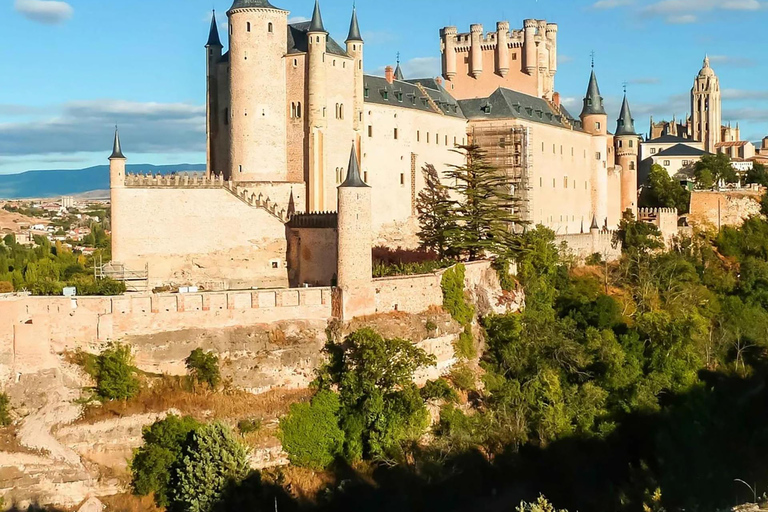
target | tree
x=758, y=174
x=152, y=463
x=434, y=211
x=712, y=169
x=115, y=374
x=637, y=236
x=483, y=215
x=204, y=367
x=310, y=433
x=212, y=463
x=662, y=191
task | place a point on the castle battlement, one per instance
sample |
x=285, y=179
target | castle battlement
x=643, y=213
x=314, y=220
x=178, y=180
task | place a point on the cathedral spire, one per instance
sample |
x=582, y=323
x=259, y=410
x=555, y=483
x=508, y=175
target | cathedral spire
x=625, y=124
x=316, y=25
x=213, y=35
x=117, y=151
x=593, y=102
x=354, y=28
x=353, y=172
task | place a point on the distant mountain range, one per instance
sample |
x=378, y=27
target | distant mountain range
x=54, y=183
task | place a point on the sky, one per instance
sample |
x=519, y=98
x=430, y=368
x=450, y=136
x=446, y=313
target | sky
x=71, y=70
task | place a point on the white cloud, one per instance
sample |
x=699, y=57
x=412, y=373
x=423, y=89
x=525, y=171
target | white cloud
x=564, y=59
x=736, y=62
x=645, y=81
x=611, y=4
x=686, y=11
x=297, y=19
x=743, y=95
x=45, y=11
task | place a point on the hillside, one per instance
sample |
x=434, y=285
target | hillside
x=52, y=183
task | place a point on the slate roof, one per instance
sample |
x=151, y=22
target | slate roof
x=353, y=173
x=593, y=101
x=625, y=124
x=407, y=94
x=668, y=139
x=316, y=25
x=213, y=34
x=298, y=42
x=440, y=95
x=508, y=104
x=681, y=150
x=261, y=4
x=354, y=28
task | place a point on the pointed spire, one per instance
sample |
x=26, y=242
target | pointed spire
x=625, y=124
x=354, y=28
x=593, y=102
x=595, y=225
x=353, y=172
x=117, y=151
x=291, y=205
x=706, y=61
x=398, y=70
x=317, y=20
x=213, y=35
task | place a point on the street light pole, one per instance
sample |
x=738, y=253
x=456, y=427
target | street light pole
x=753, y=489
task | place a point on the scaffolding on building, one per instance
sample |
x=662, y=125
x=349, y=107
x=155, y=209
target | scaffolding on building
x=508, y=148
x=135, y=280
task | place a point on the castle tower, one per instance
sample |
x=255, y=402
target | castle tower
x=355, y=239
x=116, y=186
x=213, y=49
x=476, y=50
x=594, y=120
x=448, y=37
x=317, y=110
x=258, y=33
x=355, y=50
x=627, y=149
x=706, y=107
x=529, y=43
x=502, y=48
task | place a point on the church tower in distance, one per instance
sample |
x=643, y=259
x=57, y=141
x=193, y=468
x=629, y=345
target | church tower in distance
x=706, y=107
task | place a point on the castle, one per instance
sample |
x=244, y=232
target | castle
x=284, y=104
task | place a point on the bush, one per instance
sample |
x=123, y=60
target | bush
x=6, y=287
x=453, y=295
x=204, y=367
x=211, y=463
x=463, y=378
x=439, y=389
x=594, y=259
x=501, y=266
x=5, y=410
x=310, y=433
x=248, y=426
x=152, y=463
x=430, y=326
x=465, y=345
x=115, y=374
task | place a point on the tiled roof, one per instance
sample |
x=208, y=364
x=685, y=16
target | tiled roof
x=732, y=144
x=681, y=150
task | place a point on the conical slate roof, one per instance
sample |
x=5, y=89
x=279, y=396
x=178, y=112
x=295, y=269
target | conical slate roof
x=399, y=73
x=117, y=151
x=316, y=25
x=353, y=172
x=594, y=225
x=593, y=102
x=625, y=124
x=354, y=28
x=213, y=35
x=258, y=4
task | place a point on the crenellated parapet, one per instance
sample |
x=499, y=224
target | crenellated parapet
x=649, y=213
x=176, y=180
x=315, y=220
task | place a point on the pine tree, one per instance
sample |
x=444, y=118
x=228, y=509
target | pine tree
x=482, y=216
x=434, y=211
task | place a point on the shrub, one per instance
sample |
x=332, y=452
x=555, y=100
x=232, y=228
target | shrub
x=6, y=287
x=204, y=367
x=541, y=505
x=310, y=433
x=115, y=374
x=439, y=389
x=463, y=378
x=465, y=345
x=454, y=300
x=5, y=410
x=152, y=463
x=212, y=461
x=501, y=266
x=594, y=259
x=430, y=326
x=248, y=426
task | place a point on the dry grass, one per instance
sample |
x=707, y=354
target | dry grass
x=129, y=503
x=168, y=393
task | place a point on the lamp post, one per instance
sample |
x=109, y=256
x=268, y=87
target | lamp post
x=753, y=489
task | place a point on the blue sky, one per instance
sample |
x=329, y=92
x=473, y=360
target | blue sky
x=71, y=70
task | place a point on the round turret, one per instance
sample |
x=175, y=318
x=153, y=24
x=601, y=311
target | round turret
x=448, y=35
x=502, y=47
x=476, y=50
x=529, y=45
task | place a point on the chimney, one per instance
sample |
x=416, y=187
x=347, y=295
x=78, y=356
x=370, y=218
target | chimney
x=389, y=74
x=439, y=81
x=556, y=100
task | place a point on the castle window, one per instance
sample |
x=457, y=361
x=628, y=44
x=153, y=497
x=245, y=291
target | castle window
x=344, y=65
x=318, y=39
x=554, y=183
x=395, y=133
x=631, y=166
x=542, y=147
x=541, y=182
x=248, y=26
x=226, y=116
x=230, y=29
x=385, y=95
x=293, y=110
x=446, y=140
x=427, y=137
x=666, y=163
x=437, y=138
x=245, y=54
x=341, y=111
x=631, y=143
x=360, y=65
x=298, y=110
x=418, y=136
x=402, y=179
x=325, y=111
x=334, y=62
x=366, y=91
x=454, y=141
x=295, y=63
x=370, y=131
x=621, y=144
x=653, y=151
x=365, y=176
x=599, y=155
x=565, y=181
x=270, y=27
x=554, y=148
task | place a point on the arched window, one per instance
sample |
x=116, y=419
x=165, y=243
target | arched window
x=631, y=143
x=270, y=27
x=230, y=29
x=293, y=110
x=631, y=166
x=337, y=111
x=298, y=110
x=341, y=111
x=248, y=26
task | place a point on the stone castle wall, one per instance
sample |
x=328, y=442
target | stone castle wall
x=584, y=245
x=724, y=208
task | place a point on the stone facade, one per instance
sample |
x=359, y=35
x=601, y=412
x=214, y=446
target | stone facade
x=724, y=208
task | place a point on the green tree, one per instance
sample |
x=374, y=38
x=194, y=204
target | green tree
x=115, y=373
x=637, y=237
x=204, y=367
x=483, y=210
x=712, y=169
x=310, y=433
x=758, y=175
x=152, y=462
x=662, y=191
x=434, y=209
x=212, y=463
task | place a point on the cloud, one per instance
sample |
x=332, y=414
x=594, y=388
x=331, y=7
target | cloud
x=297, y=19
x=645, y=81
x=86, y=126
x=743, y=95
x=44, y=11
x=564, y=59
x=736, y=62
x=687, y=11
x=611, y=4
x=379, y=37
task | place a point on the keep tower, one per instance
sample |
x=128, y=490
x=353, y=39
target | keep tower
x=258, y=35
